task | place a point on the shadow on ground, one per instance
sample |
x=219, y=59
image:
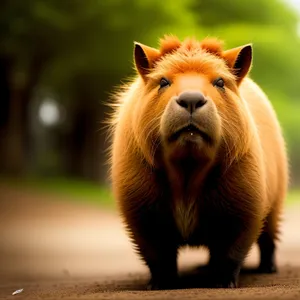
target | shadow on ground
x=196, y=278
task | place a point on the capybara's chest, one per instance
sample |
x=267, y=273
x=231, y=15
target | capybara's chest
x=201, y=222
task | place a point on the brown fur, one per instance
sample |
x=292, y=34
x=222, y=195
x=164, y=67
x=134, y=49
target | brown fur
x=223, y=190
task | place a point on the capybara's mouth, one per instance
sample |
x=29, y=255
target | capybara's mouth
x=190, y=130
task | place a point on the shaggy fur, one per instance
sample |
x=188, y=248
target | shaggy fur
x=222, y=185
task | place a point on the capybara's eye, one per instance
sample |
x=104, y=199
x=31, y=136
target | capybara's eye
x=219, y=83
x=164, y=82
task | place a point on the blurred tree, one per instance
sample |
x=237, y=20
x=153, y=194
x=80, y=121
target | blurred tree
x=32, y=34
x=215, y=13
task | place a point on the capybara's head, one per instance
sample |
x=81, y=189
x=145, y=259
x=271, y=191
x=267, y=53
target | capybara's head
x=187, y=103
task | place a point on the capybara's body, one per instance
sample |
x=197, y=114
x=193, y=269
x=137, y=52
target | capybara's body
x=197, y=159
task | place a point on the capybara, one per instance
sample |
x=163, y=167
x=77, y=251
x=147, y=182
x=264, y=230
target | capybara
x=198, y=158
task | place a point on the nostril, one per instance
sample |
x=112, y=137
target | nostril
x=200, y=103
x=182, y=102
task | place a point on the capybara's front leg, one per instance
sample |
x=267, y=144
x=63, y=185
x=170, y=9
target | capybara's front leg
x=163, y=268
x=160, y=255
x=229, y=250
x=224, y=271
x=156, y=241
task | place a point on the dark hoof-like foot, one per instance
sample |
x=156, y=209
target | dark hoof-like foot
x=155, y=285
x=267, y=268
x=224, y=274
x=225, y=284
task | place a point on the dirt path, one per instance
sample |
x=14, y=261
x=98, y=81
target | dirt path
x=56, y=249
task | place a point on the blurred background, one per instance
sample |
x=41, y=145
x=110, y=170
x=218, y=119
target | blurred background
x=61, y=59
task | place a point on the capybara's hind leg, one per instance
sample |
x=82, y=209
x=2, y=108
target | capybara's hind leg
x=267, y=246
x=267, y=253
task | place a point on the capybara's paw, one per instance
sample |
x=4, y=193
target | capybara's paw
x=267, y=268
x=221, y=279
x=224, y=274
x=225, y=284
x=162, y=284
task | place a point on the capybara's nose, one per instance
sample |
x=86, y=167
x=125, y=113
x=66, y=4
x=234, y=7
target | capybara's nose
x=191, y=101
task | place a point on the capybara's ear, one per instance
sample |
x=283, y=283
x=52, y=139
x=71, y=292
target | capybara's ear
x=239, y=60
x=144, y=58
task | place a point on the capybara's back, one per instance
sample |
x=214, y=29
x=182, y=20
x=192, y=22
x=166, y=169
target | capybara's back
x=198, y=159
x=274, y=152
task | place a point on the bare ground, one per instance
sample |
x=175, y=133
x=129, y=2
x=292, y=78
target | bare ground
x=57, y=249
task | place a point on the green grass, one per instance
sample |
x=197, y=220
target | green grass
x=69, y=188
x=293, y=196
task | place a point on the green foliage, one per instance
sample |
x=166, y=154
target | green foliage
x=215, y=13
x=108, y=35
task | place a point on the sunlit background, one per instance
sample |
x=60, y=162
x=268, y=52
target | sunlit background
x=59, y=62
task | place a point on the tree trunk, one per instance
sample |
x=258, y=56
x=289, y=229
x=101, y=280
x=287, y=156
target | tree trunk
x=14, y=134
x=86, y=146
x=83, y=142
x=6, y=64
